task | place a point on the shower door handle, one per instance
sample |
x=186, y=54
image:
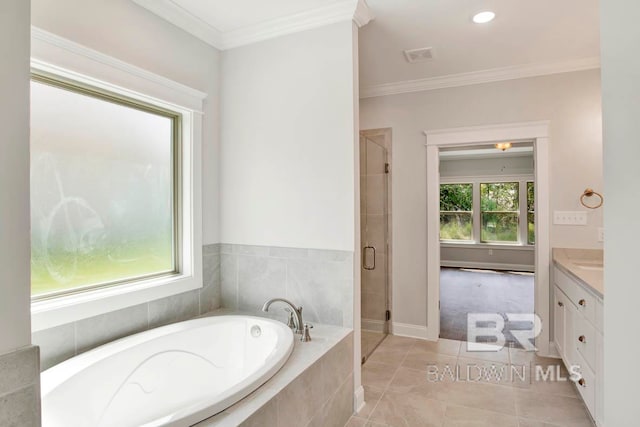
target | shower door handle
x=365, y=259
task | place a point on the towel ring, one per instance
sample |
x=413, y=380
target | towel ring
x=589, y=193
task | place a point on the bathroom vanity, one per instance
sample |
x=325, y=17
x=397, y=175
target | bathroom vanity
x=578, y=298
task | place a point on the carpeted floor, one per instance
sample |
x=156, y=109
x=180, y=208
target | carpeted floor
x=478, y=291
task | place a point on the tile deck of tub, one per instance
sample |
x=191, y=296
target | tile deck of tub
x=407, y=384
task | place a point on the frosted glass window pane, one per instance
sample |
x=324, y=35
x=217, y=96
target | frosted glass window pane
x=102, y=199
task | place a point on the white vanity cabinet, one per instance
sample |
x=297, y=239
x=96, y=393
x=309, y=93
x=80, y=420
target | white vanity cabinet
x=578, y=327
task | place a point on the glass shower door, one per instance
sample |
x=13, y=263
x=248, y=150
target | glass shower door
x=374, y=238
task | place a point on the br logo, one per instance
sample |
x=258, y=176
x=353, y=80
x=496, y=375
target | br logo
x=490, y=327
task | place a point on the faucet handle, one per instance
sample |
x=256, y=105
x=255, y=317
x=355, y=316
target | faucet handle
x=306, y=337
x=291, y=323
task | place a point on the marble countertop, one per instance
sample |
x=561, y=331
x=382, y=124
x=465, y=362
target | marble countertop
x=585, y=265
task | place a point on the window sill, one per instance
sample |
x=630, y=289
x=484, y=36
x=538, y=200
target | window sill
x=57, y=311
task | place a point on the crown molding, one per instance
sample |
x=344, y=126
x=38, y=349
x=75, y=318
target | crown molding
x=338, y=11
x=179, y=17
x=479, y=77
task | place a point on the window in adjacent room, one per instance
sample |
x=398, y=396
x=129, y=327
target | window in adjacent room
x=531, y=214
x=456, y=212
x=499, y=212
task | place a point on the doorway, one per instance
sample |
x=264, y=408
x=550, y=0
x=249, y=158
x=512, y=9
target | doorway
x=375, y=232
x=487, y=238
x=437, y=140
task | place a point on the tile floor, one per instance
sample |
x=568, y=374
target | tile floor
x=400, y=390
x=370, y=339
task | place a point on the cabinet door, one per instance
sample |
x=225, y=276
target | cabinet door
x=571, y=315
x=559, y=305
x=600, y=380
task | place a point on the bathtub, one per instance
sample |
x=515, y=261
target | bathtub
x=175, y=375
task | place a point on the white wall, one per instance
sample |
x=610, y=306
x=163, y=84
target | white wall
x=15, y=321
x=287, y=159
x=571, y=101
x=620, y=34
x=122, y=29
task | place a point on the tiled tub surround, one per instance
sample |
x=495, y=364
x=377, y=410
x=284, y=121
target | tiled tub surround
x=313, y=389
x=321, y=281
x=20, y=388
x=63, y=342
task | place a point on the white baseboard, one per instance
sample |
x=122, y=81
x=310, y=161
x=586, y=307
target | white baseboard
x=487, y=265
x=358, y=399
x=412, y=331
x=372, y=325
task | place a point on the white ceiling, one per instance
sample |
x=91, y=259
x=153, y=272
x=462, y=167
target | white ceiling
x=225, y=15
x=525, y=32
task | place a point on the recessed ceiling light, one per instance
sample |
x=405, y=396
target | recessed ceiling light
x=483, y=17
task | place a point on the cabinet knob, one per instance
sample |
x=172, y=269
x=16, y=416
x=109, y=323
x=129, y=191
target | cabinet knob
x=582, y=302
x=582, y=339
x=560, y=304
x=582, y=382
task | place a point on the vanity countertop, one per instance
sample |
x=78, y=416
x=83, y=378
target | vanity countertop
x=585, y=265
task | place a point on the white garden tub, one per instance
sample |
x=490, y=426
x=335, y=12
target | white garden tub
x=175, y=375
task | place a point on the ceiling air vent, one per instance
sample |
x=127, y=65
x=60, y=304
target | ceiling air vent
x=418, y=55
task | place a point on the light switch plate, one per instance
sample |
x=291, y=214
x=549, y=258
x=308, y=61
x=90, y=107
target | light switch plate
x=569, y=218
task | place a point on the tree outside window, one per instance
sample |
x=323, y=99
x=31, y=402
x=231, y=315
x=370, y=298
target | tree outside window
x=456, y=212
x=499, y=212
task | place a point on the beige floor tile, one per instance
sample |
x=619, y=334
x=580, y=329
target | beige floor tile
x=460, y=416
x=409, y=380
x=377, y=375
x=554, y=409
x=390, y=354
x=356, y=422
x=398, y=342
x=533, y=423
x=499, y=355
x=522, y=357
x=408, y=394
x=443, y=346
x=408, y=410
x=497, y=398
x=369, y=341
x=371, y=397
x=427, y=361
x=560, y=388
x=485, y=371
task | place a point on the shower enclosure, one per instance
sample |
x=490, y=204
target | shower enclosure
x=375, y=239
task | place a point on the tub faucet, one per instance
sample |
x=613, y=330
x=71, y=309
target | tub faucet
x=297, y=312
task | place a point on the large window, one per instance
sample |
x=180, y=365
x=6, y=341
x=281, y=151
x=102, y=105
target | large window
x=488, y=211
x=499, y=212
x=104, y=188
x=456, y=216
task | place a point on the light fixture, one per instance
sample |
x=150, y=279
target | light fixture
x=484, y=17
x=504, y=146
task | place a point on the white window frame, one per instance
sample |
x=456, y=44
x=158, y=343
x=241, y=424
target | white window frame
x=476, y=222
x=68, y=60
